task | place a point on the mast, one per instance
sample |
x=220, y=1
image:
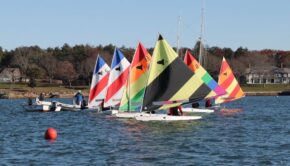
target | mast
x=129, y=79
x=201, y=42
x=178, y=35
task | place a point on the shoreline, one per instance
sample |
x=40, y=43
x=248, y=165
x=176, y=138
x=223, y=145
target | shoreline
x=70, y=94
x=34, y=94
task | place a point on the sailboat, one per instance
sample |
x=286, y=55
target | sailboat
x=216, y=90
x=99, y=83
x=170, y=83
x=132, y=98
x=228, y=81
x=117, y=79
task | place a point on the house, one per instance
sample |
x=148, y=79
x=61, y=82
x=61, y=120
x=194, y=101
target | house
x=10, y=75
x=267, y=75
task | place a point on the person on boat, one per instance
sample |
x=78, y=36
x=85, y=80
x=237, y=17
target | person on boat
x=102, y=107
x=41, y=96
x=207, y=103
x=78, y=98
x=29, y=101
x=174, y=111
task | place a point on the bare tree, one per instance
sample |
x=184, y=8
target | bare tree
x=66, y=71
x=21, y=58
x=87, y=66
x=49, y=63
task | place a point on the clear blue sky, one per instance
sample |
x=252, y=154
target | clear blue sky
x=255, y=24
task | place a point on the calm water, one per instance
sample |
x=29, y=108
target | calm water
x=259, y=135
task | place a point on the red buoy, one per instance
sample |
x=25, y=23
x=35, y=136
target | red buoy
x=51, y=134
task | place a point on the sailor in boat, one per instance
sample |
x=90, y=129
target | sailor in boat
x=207, y=103
x=78, y=98
x=102, y=108
x=29, y=101
x=174, y=111
x=41, y=96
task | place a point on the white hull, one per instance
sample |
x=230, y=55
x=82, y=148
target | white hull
x=197, y=110
x=113, y=112
x=42, y=106
x=165, y=117
x=106, y=112
x=67, y=107
x=35, y=108
x=130, y=114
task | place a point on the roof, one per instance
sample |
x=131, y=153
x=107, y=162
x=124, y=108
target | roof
x=267, y=70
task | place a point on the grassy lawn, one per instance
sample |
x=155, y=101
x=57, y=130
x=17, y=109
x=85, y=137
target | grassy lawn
x=266, y=87
x=22, y=88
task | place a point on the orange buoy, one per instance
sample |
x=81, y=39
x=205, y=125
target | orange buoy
x=50, y=133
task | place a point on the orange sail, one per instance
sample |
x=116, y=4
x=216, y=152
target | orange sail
x=228, y=81
x=194, y=66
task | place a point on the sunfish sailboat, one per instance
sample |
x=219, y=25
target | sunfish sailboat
x=132, y=98
x=170, y=83
x=228, y=81
x=99, y=83
x=216, y=90
x=117, y=79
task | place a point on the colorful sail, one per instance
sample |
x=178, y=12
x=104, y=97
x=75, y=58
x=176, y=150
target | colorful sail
x=195, y=66
x=117, y=79
x=170, y=80
x=100, y=78
x=228, y=81
x=138, y=73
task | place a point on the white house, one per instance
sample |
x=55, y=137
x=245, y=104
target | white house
x=267, y=75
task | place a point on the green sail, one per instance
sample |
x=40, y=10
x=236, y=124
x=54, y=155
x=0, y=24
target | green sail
x=170, y=80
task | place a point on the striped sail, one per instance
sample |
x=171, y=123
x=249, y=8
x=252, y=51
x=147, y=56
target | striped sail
x=138, y=73
x=228, y=81
x=99, y=83
x=170, y=80
x=195, y=66
x=117, y=79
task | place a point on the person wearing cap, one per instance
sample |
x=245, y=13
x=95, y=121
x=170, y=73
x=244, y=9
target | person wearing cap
x=79, y=97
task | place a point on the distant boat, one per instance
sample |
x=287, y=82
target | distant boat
x=228, y=81
x=40, y=106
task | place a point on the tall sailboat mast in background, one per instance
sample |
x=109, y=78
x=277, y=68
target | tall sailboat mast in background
x=178, y=36
x=201, y=57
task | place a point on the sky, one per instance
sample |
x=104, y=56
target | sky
x=252, y=24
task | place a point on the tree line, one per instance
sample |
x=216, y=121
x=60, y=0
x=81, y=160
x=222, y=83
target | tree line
x=74, y=64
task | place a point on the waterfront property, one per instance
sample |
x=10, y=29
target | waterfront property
x=267, y=75
x=10, y=75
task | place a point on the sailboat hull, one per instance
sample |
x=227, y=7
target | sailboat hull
x=197, y=110
x=165, y=117
x=130, y=114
